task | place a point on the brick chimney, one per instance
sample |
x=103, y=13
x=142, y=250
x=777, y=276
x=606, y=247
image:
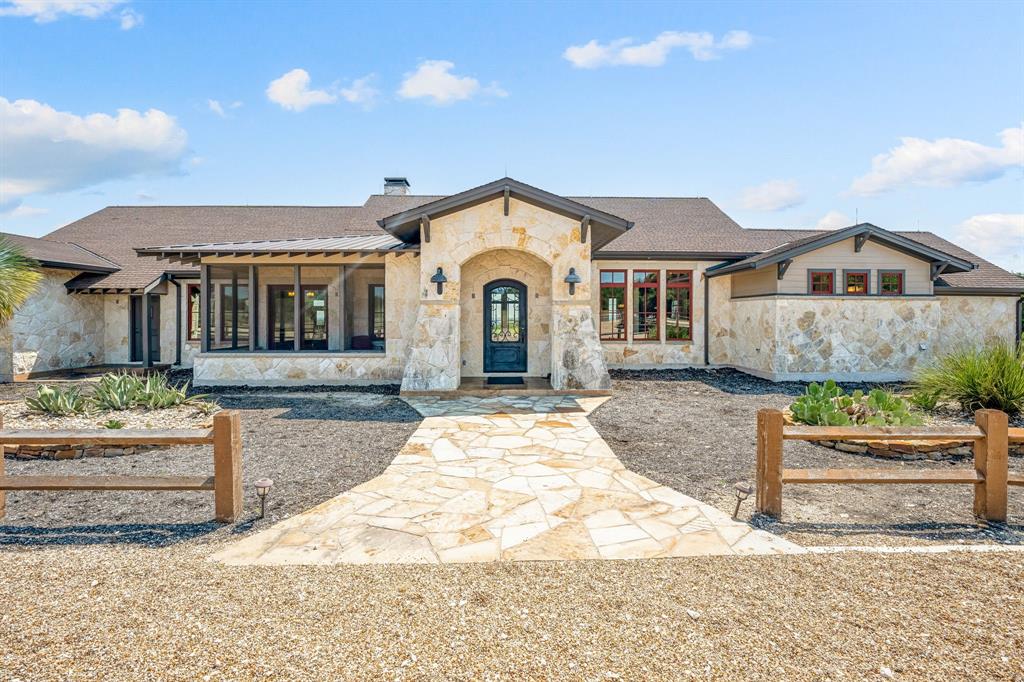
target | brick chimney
x=396, y=186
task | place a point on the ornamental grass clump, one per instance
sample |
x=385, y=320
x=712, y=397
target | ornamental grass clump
x=829, y=405
x=989, y=377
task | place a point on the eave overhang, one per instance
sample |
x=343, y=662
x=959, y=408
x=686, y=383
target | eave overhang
x=604, y=227
x=192, y=254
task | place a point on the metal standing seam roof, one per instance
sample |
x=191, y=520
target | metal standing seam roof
x=367, y=243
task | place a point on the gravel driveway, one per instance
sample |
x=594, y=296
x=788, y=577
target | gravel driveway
x=694, y=430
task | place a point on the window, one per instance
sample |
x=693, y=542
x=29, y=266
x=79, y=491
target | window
x=194, y=318
x=678, y=303
x=890, y=282
x=645, y=305
x=230, y=304
x=821, y=282
x=377, y=312
x=613, y=305
x=856, y=283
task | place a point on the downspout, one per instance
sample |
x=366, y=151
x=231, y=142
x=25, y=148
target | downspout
x=707, y=317
x=177, y=319
x=1020, y=326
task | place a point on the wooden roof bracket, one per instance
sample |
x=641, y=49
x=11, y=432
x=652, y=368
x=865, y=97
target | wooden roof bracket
x=508, y=193
x=584, y=228
x=425, y=227
x=938, y=269
x=783, y=265
x=858, y=241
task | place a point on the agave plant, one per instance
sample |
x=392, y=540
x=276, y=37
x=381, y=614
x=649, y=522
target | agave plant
x=19, y=277
x=117, y=391
x=57, y=402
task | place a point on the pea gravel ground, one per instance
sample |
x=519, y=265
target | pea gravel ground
x=694, y=430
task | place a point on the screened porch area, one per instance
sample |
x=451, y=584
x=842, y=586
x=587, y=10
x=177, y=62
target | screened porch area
x=334, y=308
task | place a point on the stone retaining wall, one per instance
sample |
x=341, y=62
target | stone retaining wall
x=912, y=451
x=76, y=452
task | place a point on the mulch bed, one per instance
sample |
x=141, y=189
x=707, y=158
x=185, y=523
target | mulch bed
x=312, y=447
x=694, y=430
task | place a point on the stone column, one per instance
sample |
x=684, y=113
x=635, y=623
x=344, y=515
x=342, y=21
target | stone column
x=577, y=358
x=432, y=363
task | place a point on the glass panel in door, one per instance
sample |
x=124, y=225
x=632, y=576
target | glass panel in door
x=314, y=317
x=281, y=320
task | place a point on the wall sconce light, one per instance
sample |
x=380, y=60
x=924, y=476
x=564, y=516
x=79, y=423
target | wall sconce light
x=572, y=279
x=263, y=487
x=439, y=279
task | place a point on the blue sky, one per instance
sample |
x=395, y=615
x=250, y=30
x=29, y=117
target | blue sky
x=787, y=115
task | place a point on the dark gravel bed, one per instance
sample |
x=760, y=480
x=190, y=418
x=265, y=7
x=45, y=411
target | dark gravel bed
x=694, y=430
x=313, y=447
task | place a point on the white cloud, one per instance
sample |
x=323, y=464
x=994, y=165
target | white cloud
x=292, y=92
x=221, y=109
x=945, y=162
x=997, y=237
x=145, y=197
x=46, y=150
x=623, y=52
x=361, y=92
x=833, y=220
x=130, y=19
x=23, y=211
x=433, y=79
x=45, y=11
x=774, y=195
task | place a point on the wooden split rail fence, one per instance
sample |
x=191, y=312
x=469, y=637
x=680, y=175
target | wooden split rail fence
x=989, y=475
x=226, y=482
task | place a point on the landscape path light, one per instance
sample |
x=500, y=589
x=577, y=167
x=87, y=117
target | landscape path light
x=263, y=486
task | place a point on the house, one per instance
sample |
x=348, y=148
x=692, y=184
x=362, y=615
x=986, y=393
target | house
x=502, y=280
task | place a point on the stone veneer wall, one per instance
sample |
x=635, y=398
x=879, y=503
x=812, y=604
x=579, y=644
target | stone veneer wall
x=480, y=270
x=870, y=339
x=433, y=358
x=293, y=369
x=54, y=330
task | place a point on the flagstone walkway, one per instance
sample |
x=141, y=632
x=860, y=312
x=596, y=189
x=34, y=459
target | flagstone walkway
x=503, y=479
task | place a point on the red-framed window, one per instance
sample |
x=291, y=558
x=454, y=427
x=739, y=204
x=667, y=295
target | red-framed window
x=890, y=282
x=613, y=305
x=195, y=325
x=856, y=282
x=645, y=305
x=821, y=282
x=678, y=305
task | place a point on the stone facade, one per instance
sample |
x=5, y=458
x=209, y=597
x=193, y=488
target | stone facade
x=869, y=339
x=54, y=330
x=295, y=369
x=433, y=361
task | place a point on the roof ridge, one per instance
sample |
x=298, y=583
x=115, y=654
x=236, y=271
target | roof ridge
x=236, y=206
x=93, y=253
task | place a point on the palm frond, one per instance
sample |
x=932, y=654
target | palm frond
x=19, y=277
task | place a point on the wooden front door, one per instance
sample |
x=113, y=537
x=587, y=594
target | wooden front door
x=505, y=326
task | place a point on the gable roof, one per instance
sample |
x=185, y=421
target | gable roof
x=796, y=247
x=405, y=225
x=61, y=255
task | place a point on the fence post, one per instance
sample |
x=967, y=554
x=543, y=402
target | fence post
x=991, y=461
x=769, y=462
x=3, y=493
x=227, y=466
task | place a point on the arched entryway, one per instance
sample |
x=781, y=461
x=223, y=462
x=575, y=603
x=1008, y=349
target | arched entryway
x=477, y=275
x=505, y=326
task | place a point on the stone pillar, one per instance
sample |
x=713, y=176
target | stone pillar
x=577, y=358
x=432, y=362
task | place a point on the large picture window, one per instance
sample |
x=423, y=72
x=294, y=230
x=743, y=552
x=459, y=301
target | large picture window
x=195, y=327
x=678, y=305
x=234, y=313
x=890, y=282
x=613, y=305
x=645, y=305
x=821, y=282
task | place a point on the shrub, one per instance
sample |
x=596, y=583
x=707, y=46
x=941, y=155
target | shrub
x=925, y=400
x=113, y=424
x=828, y=405
x=988, y=377
x=57, y=401
x=117, y=391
